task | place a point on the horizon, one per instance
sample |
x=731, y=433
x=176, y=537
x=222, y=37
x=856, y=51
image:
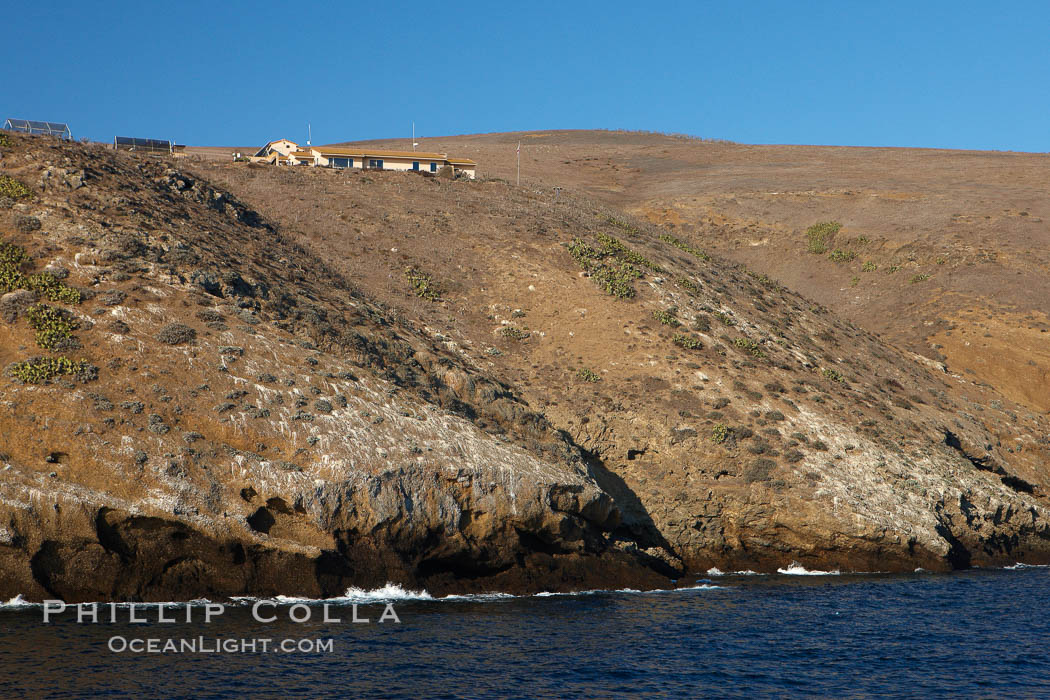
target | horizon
x=945, y=75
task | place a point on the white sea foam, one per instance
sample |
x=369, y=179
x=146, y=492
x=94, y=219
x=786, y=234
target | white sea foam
x=600, y=591
x=1019, y=565
x=797, y=569
x=389, y=593
x=19, y=602
x=478, y=597
x=714, y=571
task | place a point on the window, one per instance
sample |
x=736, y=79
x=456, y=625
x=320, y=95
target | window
x=415, y=165
x=349, y=162
x=341, y=162
x=375, y=163
x=433, y=167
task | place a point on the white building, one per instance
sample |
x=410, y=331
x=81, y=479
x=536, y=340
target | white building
x=285, y=152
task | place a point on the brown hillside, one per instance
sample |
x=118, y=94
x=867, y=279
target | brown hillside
x=238, y=419
x=949, y=248
x=736, y=423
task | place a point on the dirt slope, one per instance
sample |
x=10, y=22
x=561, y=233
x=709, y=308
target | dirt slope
x=944, y=252
x=735, y=423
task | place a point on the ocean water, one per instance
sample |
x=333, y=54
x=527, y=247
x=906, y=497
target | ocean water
x=970, y=634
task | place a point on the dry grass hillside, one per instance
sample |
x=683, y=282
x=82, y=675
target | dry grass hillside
x=943, y=253
x=734, y=422
x=193, y=404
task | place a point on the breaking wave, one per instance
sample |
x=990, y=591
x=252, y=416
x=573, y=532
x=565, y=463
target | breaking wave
x=797, y=569
x=715, y=571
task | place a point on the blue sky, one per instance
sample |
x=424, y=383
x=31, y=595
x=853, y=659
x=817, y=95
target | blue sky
x=942, y=74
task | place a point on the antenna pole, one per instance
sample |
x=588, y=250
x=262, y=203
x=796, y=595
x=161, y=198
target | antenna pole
x=309, y=133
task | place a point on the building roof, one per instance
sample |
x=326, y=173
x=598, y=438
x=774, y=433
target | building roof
x=461, y=161
x=419, y=155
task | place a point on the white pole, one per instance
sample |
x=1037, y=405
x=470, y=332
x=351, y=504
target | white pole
x=519, y=162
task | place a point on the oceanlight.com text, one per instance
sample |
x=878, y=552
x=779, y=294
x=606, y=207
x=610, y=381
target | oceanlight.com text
x=215, y=645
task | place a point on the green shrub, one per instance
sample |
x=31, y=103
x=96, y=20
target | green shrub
x=515, y=332
x=13, y=189
x=628, y=228
x=726, y=318
x=5, y=140
x=616, y=280
x=818, y=235
x=749, y=345
x=46, y=284
x=612, y=275
x=13, y=258
x=869, y=266
x=41, y=370
x=719, y=434
x=12, y=255
x=688, y=342
x=615, y=248
x=838, y=255
x=588, y=375
x=688, y=285
x=53, y=326
x=832, y=374
x=682, y=245
x=422, y=283
x=921, y=277
x=667, y=317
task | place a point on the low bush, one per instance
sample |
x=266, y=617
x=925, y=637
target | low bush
x=26, y=224
x=422, y=284
x=688, y=342
x=41, y=370
x=667, y=317
x=176, y=334
x=54, y=327
x=751, y=346
x=832, y=374
x=588, y=375
x=13, y=189
x=818, y=235
x=515, y=332
x=681, y=245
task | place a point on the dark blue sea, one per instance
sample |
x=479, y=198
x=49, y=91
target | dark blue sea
x=979, y=634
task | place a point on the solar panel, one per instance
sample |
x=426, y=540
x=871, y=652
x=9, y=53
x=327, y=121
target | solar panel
x=29, y=126
x=130, y=143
